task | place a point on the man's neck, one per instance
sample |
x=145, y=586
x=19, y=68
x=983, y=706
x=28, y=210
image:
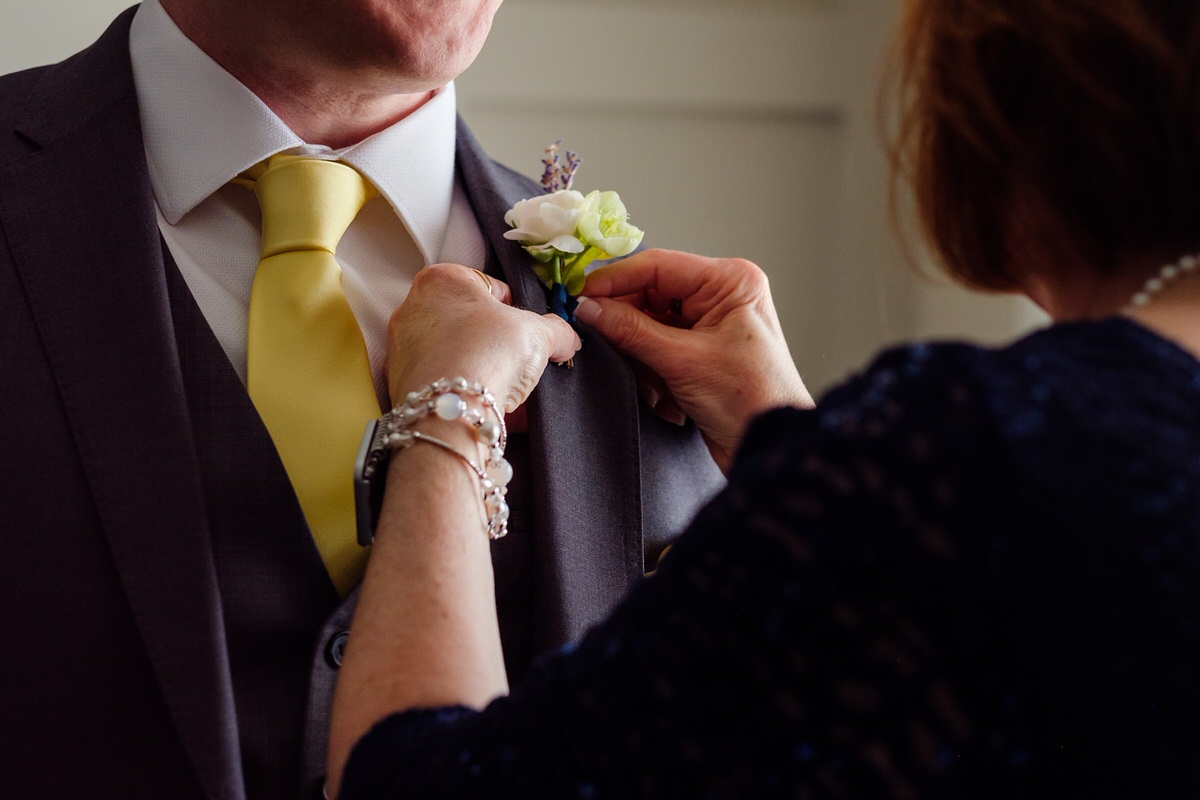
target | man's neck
x=331, y=113
x=332, y=105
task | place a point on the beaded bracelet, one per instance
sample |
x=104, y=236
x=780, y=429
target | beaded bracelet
x=443, y=398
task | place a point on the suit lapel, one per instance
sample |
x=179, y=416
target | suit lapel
x=584, y=440
x=81, y=224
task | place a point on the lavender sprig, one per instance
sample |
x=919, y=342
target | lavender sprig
x=556, y=176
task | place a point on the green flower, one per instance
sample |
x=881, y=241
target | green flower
x=604, y=225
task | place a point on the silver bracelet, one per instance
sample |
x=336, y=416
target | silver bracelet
x=494, y=504
x=443, y=398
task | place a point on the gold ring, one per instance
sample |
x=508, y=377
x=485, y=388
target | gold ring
x=486, y=280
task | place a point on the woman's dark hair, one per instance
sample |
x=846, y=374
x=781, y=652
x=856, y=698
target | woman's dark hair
x=1087, y=107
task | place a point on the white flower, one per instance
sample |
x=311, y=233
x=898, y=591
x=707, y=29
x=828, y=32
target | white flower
x=548, y=222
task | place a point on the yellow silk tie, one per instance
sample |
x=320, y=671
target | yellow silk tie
x=307, y=368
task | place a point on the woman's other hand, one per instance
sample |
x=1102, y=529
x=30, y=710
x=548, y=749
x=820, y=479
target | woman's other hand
x=705, y=332
x=457, y=322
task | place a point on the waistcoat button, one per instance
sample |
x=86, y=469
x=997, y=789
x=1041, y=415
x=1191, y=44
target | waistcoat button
x=335, y=648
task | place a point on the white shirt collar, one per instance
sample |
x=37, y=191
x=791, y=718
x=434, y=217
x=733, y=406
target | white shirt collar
x=202, y=127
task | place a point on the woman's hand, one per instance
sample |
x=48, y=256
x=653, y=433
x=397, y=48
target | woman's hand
x=705, y=331
x=456, y=322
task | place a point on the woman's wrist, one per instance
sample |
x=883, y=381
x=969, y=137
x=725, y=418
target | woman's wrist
x=459, y=418
x=421, y=471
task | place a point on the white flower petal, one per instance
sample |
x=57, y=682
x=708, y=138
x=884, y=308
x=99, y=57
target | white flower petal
x=567, y=244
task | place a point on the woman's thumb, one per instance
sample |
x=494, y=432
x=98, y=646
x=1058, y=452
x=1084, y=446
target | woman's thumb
x=626, y=327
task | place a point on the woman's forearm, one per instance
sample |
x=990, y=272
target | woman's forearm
x=425, y=630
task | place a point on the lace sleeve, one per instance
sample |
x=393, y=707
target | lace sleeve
x=830, y=626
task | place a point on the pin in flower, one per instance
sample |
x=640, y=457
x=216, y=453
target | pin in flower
x=565, y=230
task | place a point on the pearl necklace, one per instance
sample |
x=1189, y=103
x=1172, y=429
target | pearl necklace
x=1159, y=281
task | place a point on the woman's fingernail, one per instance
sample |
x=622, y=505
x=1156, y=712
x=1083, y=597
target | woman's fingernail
x=650, y=395
x=587, y=310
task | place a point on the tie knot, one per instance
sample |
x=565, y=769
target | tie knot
x=307, y=203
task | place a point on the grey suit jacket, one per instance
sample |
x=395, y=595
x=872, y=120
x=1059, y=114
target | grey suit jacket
x=120, y=540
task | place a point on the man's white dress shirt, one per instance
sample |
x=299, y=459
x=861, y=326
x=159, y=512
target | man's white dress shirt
x=202, y=128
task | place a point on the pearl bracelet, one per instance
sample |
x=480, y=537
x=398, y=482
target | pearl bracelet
x=445, y=399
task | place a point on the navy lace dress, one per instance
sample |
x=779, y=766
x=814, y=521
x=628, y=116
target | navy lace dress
x=968, y=573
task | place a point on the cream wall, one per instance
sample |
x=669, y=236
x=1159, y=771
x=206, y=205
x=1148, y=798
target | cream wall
x=746, y=132
x=41, y=32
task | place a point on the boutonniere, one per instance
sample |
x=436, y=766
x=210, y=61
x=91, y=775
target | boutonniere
x=565, y=230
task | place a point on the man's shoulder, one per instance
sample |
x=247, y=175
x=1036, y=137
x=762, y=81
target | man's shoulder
x=517, y=179
x=48, y=100
x=15, y=89
x=481, y=172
